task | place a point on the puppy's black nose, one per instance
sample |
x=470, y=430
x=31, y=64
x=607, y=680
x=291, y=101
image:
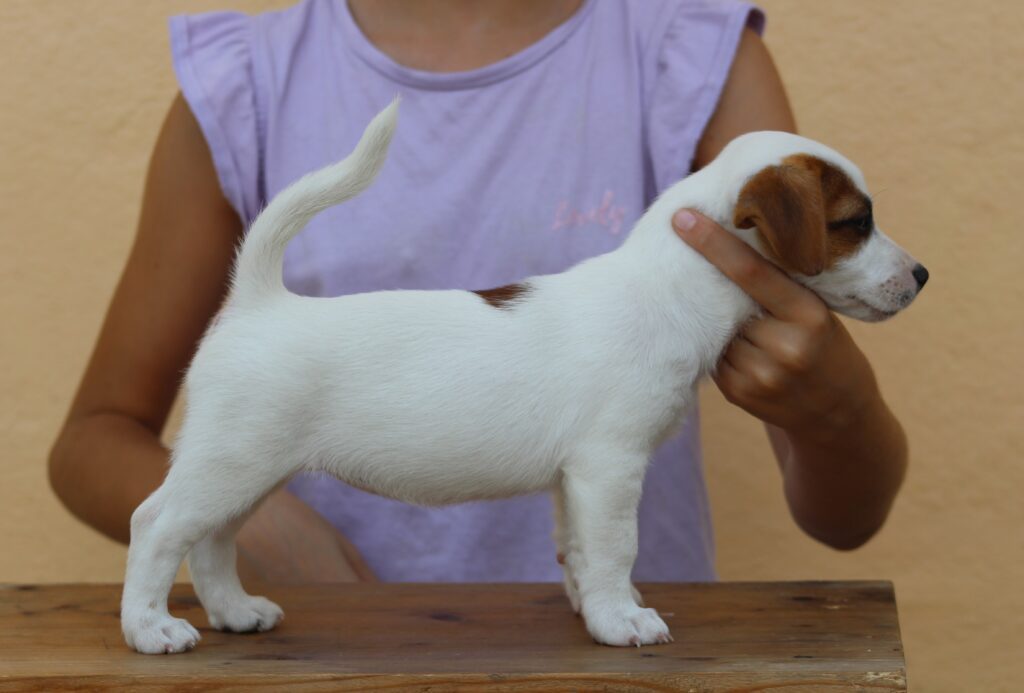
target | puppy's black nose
x=921, y=275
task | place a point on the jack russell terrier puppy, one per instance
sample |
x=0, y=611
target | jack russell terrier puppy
x=564, y=383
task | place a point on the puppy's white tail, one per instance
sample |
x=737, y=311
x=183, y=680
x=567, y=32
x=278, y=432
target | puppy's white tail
x=257, y=270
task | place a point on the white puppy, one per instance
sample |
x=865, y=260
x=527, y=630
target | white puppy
x=564, y=383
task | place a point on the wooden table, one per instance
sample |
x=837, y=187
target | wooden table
x=794, y=636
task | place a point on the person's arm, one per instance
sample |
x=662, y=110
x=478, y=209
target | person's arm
x=842, y=453
x=108, y=456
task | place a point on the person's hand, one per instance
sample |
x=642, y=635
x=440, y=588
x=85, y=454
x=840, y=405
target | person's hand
x=795, y=367
x=287, y=542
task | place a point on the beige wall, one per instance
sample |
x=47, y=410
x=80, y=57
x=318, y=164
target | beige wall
x=925, y=95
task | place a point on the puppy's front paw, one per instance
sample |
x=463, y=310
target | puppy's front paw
x=626, y=626
x=156, y=633
x=245, y=615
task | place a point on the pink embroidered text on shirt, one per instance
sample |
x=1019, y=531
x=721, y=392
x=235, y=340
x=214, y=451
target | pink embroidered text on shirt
x=606, y=214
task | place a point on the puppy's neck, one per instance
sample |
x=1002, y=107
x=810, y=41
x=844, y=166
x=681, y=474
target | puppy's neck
x=693, y=298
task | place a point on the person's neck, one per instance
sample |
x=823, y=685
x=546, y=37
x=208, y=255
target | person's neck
x=457, y=35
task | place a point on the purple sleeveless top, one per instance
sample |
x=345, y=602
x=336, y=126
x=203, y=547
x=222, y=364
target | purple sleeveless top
x=523, y=167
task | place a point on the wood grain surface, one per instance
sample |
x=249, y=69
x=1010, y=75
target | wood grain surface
x=793, y=636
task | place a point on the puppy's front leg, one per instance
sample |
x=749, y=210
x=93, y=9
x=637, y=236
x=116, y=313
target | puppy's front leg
x=565, y=546
x=602, y=494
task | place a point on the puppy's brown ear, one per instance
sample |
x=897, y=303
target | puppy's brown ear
x=786, y=205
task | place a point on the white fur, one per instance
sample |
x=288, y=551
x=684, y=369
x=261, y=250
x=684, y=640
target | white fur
x=438, y=397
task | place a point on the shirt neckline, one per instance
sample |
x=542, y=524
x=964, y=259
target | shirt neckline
x=358, y=43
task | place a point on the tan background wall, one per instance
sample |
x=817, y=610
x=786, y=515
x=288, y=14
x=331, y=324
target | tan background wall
x=925, y=95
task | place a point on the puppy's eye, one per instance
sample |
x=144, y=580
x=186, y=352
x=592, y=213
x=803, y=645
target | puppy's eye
x=862, y=224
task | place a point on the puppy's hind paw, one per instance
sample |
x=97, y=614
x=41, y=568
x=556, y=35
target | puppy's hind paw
x=160, y=634
x=245, y=615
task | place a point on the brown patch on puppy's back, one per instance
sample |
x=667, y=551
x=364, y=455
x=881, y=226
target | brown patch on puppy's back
x=503, y=296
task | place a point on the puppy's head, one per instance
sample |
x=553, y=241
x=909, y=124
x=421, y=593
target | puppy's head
x=807, y=208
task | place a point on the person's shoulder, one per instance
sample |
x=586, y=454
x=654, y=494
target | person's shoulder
x=686, y=69
x=294, y=23
x=642, y=20
x=647, y=22
x=230, y=27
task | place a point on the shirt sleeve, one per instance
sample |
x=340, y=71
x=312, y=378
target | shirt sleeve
x=212, y=58
x=692, y=65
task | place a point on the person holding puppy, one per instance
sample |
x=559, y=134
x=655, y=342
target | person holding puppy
x=534, y=134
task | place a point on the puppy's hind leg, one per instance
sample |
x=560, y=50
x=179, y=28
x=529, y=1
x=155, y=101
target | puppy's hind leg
x=145, y=622
x=212, y=563
x=199, y=496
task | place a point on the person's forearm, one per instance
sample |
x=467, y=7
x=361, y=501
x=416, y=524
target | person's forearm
x=286, y=541
x=103, y=466
x=841, y=479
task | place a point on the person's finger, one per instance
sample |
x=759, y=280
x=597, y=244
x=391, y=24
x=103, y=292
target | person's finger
x=761, y=280
x=759, y=366
x=733, y=384
x=789, y=343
